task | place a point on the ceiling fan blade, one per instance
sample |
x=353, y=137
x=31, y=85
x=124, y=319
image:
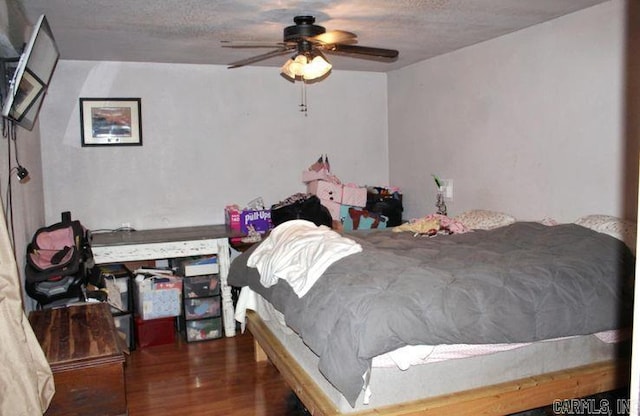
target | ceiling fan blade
x=355, y=50
x=335, y=36
x=257, y=58
x=251, y=44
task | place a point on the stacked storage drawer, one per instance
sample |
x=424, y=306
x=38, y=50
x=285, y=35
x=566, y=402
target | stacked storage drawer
x=120, y=276
x=202, y=318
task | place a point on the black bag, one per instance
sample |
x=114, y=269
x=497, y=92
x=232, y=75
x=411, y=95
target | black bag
x=57, y=260
x=301, y=206
x=387, y=204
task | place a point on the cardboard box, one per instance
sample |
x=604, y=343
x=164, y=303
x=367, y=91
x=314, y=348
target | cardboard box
x=321, y=175
x=328, y=191
x=237, y=220
x=355, y=196
x=352, y=195
x=333, y=207
x=158, y=298
x=260, y=220
x=198, y=266
x=232, y=217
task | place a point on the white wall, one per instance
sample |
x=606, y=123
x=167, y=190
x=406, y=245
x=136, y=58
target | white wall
x=211, y=137
x=531, y=123
x=12, y=29
x=25, y=214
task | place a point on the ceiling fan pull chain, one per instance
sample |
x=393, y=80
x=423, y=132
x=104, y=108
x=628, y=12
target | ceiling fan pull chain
x=303, y=98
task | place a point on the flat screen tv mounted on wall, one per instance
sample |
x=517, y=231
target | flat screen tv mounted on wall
x=31, y=78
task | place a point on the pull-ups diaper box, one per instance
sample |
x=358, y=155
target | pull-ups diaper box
x=240, y=220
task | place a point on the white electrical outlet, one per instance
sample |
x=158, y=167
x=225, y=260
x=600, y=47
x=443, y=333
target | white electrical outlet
x=448, y=188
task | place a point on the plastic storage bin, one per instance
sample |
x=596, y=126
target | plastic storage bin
x=124, y=327
x=201, y=286
x=204, y=329
x=199, y=308
x=202, y=308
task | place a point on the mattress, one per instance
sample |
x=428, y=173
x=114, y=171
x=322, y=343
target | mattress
x=521, y=283
x=388, y=384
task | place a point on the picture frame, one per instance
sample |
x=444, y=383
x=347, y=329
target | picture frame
x=26, y=95
x=111, y=121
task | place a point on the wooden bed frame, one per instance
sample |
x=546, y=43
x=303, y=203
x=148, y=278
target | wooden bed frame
x=499, y=399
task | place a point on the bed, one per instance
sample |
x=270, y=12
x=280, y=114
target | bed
x=549, y=288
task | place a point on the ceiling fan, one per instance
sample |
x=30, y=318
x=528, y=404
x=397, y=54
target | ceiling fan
x=309, y=41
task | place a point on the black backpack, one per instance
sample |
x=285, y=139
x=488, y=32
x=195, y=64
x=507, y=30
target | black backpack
x=386, y=203
x=58, y=258
x=301, y=206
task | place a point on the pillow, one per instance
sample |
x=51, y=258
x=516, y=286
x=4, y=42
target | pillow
x=615, y=227
x=548, y=221
x=480, y=219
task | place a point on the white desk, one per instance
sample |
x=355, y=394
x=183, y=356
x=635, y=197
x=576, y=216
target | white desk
x=124, y=246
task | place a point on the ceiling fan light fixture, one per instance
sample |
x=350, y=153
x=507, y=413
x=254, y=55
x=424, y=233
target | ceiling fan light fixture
x=293, y=67
x=317, y=68
x=307, y=66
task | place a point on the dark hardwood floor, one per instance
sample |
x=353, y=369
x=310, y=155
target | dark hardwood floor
x=220, y=377
x=217, y=377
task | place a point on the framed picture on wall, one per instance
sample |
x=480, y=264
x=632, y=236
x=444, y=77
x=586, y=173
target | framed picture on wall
x=29, y=89
x=111, y=121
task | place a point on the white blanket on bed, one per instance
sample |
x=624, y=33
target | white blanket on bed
x=299, y=252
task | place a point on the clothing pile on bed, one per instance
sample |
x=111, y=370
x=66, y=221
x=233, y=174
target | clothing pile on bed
x=432, y=225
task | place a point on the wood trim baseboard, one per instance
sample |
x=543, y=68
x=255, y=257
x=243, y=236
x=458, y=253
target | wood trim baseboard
x=498, y=399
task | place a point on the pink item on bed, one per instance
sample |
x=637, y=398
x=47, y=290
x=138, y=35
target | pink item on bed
x=433, y=224
x=450, y=224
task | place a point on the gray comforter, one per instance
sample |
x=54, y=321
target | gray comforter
x=524, y=282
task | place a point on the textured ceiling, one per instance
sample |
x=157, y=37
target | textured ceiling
x=190, y=31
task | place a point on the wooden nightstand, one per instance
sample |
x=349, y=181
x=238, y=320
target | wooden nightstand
x=86, y=357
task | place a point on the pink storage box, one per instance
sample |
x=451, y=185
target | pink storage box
x=354, y=195
x=333, y=207
x=324, y=190
x=312, y=175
